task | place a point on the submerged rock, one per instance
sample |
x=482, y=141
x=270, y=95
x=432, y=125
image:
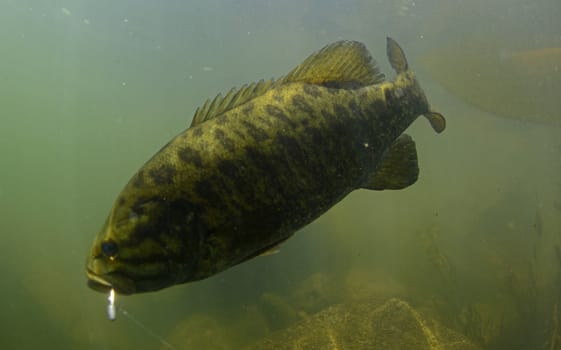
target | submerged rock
x=200, y=332
x=278, y=311
x=313, y=294
x=367, y=325
x=316, y=292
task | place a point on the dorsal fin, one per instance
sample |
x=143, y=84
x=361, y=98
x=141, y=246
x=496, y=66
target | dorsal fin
x=235, y=97
x=345, y=64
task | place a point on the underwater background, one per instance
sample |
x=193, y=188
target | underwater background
x=89, y=90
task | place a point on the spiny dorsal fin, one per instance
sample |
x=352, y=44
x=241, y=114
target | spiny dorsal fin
x=399, y=168
x=235, y=97
x=396, y=56
x=343, y=64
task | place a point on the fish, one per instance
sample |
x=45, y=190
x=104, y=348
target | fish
x=494, y=76
x=258, y=164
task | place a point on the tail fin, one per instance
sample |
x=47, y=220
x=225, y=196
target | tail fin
x=396, y=56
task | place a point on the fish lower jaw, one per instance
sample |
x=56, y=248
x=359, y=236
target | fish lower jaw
x=104, y=284
x=97, y=283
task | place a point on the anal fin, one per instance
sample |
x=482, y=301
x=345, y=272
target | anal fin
x=399, y=168
x=436, y=120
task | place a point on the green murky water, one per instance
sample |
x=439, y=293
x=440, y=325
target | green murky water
x=89, y=90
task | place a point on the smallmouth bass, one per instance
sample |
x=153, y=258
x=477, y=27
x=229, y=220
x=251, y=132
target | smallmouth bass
x=258, y=164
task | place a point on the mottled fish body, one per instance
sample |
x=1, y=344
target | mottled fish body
x=257, y=165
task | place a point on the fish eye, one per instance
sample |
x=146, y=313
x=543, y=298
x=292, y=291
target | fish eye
x=109, y=249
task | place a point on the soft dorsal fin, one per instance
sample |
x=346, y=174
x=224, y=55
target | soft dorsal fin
x=235, y=97
x=344, y=64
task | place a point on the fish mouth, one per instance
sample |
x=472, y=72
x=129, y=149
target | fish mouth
x=103, y=284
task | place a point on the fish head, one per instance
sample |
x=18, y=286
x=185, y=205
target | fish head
x=146, y=244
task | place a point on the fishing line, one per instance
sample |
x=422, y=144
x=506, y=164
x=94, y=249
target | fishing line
x=146, y=329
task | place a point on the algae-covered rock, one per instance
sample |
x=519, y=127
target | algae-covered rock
x=367, y=325
x=312, y=295
x=316, y=292
x=361, y=284
x=212, y=332
x=278, y=311
x=200, y=332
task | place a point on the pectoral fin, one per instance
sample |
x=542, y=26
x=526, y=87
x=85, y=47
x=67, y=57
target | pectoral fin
x=399, y=168
x=436, y=120
x=271, y=251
